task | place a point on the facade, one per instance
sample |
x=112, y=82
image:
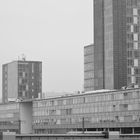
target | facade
x=100, y=110
x=93, y=70
x=99, y=44
x=121, y=43
x=21, y=80
x=16, y=117
x=9, y=117
x=116, y=43
x=89, y=68
x=116, y=110
x=133, y=42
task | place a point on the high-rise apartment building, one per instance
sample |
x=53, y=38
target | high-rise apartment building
x=116, y=43
x=21, y=80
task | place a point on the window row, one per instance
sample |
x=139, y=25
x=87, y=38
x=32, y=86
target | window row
x=88, y=99
x=87, y=120
x=133, y=37
x=88, y=109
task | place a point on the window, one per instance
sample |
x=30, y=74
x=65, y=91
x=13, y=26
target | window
x=135, y=20
x=129, y=19
x=136, y=62
x=60, y=102
x=32, y=67
x=135, y=45
x=134, y=2
x=136, y=29
x=23, y=93
x=137, y=80
x=132, y=28
x=23, y=74
x=125, y=94
x=130, y=37
x=132, y=79
x=128, y=11
x=132, y=71
x=123, y=107
x=136, y=54
x=20, y=74
x=137, y=71
x=135, y=11
x=129, y=2
x=52, y=103
x=129, y=45
x=130, y=62
x=128, y=118
x=135, y=37
x=129, y=53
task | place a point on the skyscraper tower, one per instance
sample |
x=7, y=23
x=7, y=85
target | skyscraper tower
x=21, y=80
x=116, y=43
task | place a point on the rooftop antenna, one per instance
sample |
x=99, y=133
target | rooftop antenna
x=23, y=57
x=18, y=58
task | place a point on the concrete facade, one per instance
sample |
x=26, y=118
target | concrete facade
x=9, y=81
x=101, y=110
x=97, y=110
x=115, y=58
x=98, y=44
x=116, y=44
x=25, y=117
x=93, y=77
x=121, y=43
x=9, y=117
x=21, y=80
x=89, y=68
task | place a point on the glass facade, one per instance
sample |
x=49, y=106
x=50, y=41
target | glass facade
x=9, y=117
x=98, y=110
x=133, y=41
x=115, y=109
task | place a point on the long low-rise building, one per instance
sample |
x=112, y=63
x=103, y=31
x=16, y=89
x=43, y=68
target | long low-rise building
x=110, y=110
x=91, y=111
x=9, y=117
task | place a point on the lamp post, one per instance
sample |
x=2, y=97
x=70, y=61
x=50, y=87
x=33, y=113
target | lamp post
x=19, y=125
x=83, y=125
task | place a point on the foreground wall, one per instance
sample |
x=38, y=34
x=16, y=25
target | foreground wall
x=73, y=137
x=57, y=137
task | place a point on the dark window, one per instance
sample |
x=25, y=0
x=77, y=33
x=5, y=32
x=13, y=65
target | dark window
x=134, y=3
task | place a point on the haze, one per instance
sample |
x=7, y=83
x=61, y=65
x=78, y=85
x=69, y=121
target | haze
x=51, y=31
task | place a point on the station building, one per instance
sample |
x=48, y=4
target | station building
x=9, y=117
x=112, y=110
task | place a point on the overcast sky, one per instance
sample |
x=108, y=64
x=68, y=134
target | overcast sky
x=52, y=31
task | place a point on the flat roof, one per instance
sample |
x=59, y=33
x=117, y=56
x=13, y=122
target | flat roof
x=102, y=91
x=22, y=61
